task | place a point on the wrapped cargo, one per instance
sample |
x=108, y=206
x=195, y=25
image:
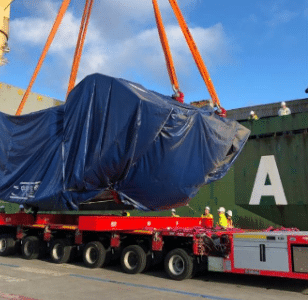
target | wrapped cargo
x=114, y=139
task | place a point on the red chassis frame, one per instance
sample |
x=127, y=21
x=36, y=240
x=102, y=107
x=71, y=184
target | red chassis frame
x=157, y=227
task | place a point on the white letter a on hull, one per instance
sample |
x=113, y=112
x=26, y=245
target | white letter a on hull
x=268, y=167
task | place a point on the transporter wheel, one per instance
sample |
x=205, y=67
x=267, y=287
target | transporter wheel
x=60, y=251
x=94, y=255
x=178, y=264
x=133, y=259
x=7, y=245
x=30, y=247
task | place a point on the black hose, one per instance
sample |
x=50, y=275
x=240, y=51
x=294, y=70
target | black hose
x=220, y=249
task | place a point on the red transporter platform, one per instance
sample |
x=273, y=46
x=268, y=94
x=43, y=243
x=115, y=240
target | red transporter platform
x=185, y=244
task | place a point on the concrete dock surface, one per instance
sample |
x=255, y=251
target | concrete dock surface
x=22, y=279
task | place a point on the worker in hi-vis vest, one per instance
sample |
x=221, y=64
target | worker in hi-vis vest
x=207, y=213
x=125, y=213
x=173, y=214
x=222, y=217
x=229, y=219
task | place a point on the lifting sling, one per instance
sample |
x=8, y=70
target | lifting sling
x=78, y=50
x=179, y=96
x=51, y=36
x=195, y=52
x=192, y=46
x=80, y=42
x=166, y=47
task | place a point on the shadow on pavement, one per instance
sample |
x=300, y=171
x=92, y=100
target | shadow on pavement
x=239, y=280
x=275, y=283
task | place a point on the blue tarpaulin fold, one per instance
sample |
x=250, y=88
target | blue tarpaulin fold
x=113, y=134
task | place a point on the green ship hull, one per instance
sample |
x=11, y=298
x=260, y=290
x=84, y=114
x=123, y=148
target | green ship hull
x=268, y=184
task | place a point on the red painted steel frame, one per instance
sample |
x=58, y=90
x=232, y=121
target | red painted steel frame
x=161, y=226
x=101, y=223
x=107, y=223
x=16, y=219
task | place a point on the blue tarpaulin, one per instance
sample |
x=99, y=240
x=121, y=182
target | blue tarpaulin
x=114, y=135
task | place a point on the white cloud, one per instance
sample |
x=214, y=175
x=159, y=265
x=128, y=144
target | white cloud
x=34, y=32
x=276, y=13
x=129, y=50
x=143, y=53
x=281, y=17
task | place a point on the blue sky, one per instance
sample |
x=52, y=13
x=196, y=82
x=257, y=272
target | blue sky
x=256, y=51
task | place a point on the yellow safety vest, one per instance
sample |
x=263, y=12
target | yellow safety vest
x=223, y=220
x=209, y=216
x=230, y=223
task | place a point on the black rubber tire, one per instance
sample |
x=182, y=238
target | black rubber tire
x=7, y=245
x=60, y=251
x=149, y=260
x=178, y=264
x=30, y=247
x=108, y=258
x=94, y=255
x=133, y=259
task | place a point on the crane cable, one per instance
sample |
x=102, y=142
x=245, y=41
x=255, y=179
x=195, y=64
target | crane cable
x=195, y=52
x=51, y=36
x=165, y=46
x=80, y=43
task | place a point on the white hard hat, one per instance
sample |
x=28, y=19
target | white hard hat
x=252, y=112
x=229, y=213
x=173, y=209
x=283, y=103
x=221, y=209
x=207, y=208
